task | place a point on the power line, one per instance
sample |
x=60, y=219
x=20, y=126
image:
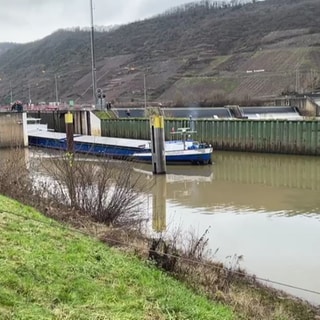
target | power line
x=130, y=245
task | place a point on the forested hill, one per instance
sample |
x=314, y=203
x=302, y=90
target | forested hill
x=6, y=46
x=198, y=52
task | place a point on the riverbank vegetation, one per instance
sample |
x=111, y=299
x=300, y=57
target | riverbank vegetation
x=63, y=188
x=50, y=272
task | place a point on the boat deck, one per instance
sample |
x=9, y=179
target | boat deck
x=117, y=142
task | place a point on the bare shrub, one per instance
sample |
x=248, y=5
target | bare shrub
x=197, y=246
x=15, y=181
x=186, y=255
x=166, y=251
x=163, y=254
x=106, y=190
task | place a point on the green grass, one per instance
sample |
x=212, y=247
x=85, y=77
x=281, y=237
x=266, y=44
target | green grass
x=49, y=272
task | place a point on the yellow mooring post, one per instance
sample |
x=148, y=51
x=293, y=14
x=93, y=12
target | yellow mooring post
x=68, y=119
x=158, y=145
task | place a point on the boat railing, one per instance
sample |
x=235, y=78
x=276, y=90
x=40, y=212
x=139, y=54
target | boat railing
x=184, y=135
x=33, y=124
x=33, y=120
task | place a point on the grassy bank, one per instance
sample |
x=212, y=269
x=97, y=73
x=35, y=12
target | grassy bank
x=49, y=272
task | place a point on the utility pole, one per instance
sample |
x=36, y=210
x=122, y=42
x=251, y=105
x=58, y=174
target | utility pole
x=313, y=79
x=11, y=92
x=29, y=93
x=56, y=89
x=297, y=81
x=93, y=62
x=145, y=91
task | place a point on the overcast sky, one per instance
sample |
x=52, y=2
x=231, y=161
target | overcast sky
x=28, y=20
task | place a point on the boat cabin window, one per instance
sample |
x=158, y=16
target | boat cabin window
x=195, y=145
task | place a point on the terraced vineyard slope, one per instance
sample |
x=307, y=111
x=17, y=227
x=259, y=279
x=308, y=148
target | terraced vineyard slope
x=198, y=53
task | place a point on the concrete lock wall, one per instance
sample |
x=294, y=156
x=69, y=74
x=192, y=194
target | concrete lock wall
x=274, y=136
x=95, y=125
x=13, y=130
x=84, y=122
x=306, y=106
x=53, y=119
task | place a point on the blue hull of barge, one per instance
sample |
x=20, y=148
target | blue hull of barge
x=87, y=148
x=117, y=151
x=178, y=159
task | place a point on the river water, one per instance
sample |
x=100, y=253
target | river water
x=263, y=207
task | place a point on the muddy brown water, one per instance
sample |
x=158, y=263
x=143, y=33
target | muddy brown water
x=264, y=207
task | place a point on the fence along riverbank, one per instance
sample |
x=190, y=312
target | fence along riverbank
x=270, y=136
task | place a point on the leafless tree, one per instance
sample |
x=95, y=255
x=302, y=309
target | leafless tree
x=106, y=190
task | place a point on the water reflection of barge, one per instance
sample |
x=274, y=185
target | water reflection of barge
x=182, y=174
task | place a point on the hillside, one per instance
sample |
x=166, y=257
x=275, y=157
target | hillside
x=200, y=52
x=5, y=46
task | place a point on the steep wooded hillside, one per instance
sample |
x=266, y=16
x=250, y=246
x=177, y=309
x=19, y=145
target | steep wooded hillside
x=200, y=52
x=5, y=46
